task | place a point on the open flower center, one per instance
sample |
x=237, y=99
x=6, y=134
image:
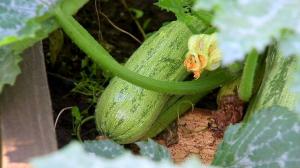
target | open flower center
x=195, y=64
x=203, y=54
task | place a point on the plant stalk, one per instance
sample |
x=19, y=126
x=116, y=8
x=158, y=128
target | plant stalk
x=247, y=80
x=172, y=113
x=98, y=54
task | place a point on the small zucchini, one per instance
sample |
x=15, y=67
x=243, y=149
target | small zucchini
x=275, y=88
x=125, y=112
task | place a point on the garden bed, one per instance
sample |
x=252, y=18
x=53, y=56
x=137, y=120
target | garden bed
x=133, y=83
x=67, y=71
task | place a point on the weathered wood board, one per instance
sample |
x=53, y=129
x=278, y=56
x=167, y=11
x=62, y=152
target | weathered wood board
x=26, y=114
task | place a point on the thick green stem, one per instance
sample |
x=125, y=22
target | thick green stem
x=229, y=89
x=247, y=80
x=177, y=106
x=98, y=54
x=171, y=102
x=172, y=113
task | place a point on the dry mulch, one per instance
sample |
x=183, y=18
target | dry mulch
x=194, y=137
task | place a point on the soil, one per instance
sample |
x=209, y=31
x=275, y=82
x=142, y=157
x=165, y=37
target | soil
x=231, y=111
x=194, y=137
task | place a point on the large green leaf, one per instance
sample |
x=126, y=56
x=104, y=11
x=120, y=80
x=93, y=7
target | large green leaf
x=74, y=156
x=22, y=19
x=105, y=148
x=183, y=12
x=110, y=149
x=19, y=18
x=23, y=23
x=153, y=150
x=244, y=25
x=270, y=139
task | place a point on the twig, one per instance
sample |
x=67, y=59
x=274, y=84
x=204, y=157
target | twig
x=98, y=20
x=134, y=19
x=118, y=28
x=59, y=114
x=61, y=77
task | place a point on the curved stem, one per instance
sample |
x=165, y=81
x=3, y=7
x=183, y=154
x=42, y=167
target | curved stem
x=98, y=54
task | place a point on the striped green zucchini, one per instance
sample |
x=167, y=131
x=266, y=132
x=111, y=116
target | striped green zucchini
x=125, y=112
x=276, y=83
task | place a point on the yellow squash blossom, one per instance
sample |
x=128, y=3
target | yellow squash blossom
x=203, y=54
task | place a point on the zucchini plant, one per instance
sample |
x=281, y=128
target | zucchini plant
x=125, y=112
x=134, y=105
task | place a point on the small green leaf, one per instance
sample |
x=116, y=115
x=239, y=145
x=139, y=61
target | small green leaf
x=9, y=67
x=146, y=24
x=76, y=113
x=270, y=139
x=153, y=150
x=105, y=148
x=56, y=42
x=137, y=13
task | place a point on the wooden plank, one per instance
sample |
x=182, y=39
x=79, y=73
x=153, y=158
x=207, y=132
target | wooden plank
x=26, y=114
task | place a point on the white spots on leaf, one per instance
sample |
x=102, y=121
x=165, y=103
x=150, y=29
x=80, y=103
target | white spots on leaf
x=252, y=148
x=282, y=160
x=284, y=156
x=262, y=21
x=275, y=118
x=244, y=2
x=246, y=162
x=272, y=133
x=153, y=150
x=279, y=136
x=296, y=128
x=232, y=142
x=281, y=117
x=151, y=155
